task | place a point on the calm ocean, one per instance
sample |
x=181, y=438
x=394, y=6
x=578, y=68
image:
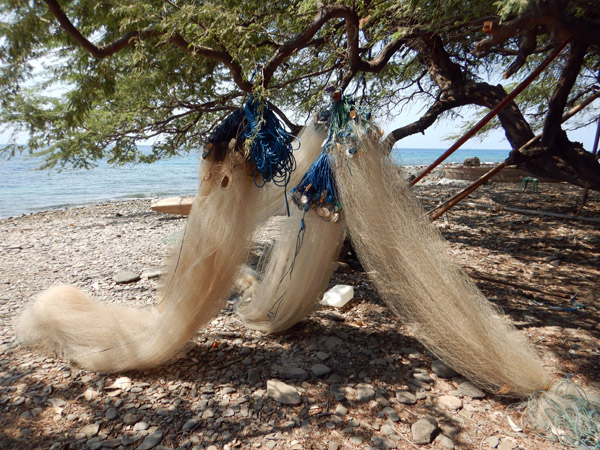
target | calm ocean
x=23, y=189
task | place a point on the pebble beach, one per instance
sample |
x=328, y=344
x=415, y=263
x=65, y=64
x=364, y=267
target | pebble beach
x=344, y=378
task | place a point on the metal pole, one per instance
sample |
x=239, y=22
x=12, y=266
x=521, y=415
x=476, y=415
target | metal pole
x=596, y=139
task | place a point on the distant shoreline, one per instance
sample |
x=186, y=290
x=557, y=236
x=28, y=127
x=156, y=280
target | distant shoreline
x=435, y=178
x=24, y=189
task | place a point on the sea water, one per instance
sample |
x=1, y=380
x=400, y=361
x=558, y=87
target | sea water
x=24, y=189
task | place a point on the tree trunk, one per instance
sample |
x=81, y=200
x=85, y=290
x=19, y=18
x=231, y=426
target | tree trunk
x=516, y=128
x=556, y=156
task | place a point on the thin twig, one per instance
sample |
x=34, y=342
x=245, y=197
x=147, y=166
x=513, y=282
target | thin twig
x=559, y=294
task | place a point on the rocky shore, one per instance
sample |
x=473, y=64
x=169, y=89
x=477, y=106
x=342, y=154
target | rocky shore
x=349, y=378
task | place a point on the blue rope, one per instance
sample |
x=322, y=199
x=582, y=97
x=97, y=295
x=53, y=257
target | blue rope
x=270, y=145
x=231, y=128
x=317, y=187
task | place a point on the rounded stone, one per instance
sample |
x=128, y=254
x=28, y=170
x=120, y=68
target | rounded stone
x=111, y=413
x=442, y=370
x=320, y=370
x=130, y=419
x=406, y=397
x=470, y=390
x=283, y=393
x=450, y=402
x=424, y=430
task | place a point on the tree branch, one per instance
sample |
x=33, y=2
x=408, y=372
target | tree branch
x=294, y=128
x=129, y=39
x=553, y=134
x=219, y=56
x=300, y=40
x=526, y=48
x=500, y=33
x=356, y=63
x=457, y=90
x=97, y=52
x=424, y=122
x=442, y=70
x=550, y=18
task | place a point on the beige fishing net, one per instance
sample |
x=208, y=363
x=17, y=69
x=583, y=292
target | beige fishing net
x=294, y=273
x=411, y=267
x=112, y=338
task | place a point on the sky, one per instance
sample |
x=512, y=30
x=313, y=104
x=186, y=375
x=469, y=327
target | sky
x=434, y=135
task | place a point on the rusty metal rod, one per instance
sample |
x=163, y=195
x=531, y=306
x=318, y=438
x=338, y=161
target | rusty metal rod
x=596, y=139
x=443, y=207
x=509, y=98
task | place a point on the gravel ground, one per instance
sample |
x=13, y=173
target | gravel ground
x=358, y=380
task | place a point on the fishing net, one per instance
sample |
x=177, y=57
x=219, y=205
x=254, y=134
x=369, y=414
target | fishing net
x=111, y=338
x=248, y=149
x=563, y=413
x=294, y=273
x=308, y=144
x=297, y=269
x=410, y=265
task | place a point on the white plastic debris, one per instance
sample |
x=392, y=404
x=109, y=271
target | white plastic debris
x=338, y=295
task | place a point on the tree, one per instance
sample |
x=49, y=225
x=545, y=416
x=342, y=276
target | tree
x=139, y=69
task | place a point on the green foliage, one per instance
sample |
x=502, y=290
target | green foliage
x=77, y=109
x=508, y=8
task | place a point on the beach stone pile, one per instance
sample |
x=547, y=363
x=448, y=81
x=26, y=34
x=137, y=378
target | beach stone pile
x=348, y=378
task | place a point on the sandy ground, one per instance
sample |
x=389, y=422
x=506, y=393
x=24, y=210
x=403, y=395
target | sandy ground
x=536, y=268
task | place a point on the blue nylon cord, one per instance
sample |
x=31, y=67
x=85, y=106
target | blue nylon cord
x=317, y=184
x=270, y=145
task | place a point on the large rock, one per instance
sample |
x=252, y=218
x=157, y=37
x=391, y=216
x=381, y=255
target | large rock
x=320, y=370
x=90, y=430
x=283, y=393
x=470, y=390
x=126, y=276
x=472, y=162
x=364, y=392
x=445, y=441
x=442, y=370
x=253, y=376
x=406, y=397
x=383, y=442
x=294, y=373
x=450, y=402
x=151, y=441
x=333, y=343
x=424, y=430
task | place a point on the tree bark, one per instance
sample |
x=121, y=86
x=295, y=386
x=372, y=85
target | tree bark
x=457, y=90
x=553, y=134
x=516, y=128
x=556, y=156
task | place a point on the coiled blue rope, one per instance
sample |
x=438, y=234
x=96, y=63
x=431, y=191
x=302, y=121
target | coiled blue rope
x=317, y=187
x=231, y=128
x=269, y=144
